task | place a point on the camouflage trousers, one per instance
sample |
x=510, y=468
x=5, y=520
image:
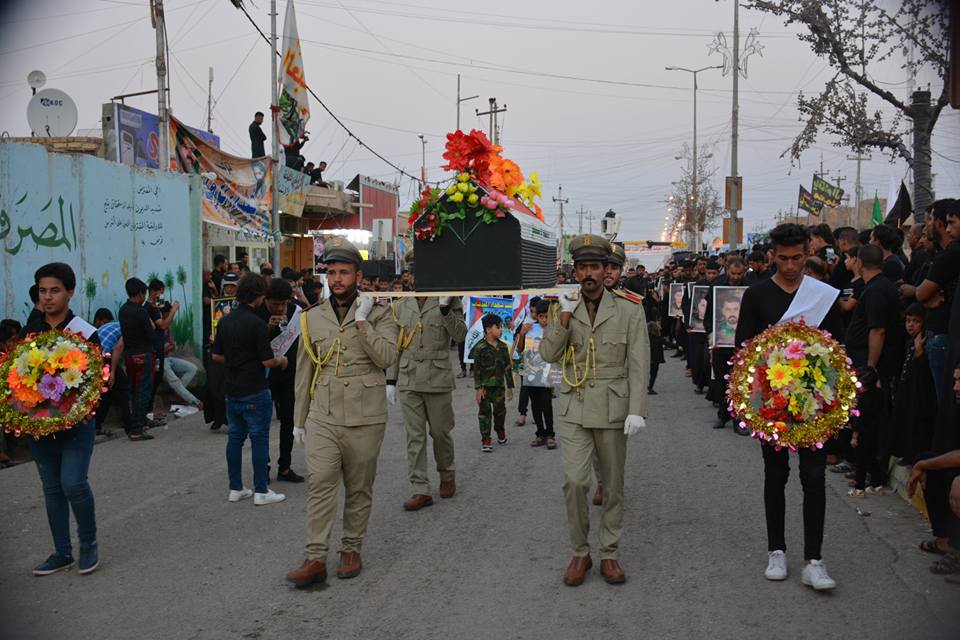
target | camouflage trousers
x=493, y=411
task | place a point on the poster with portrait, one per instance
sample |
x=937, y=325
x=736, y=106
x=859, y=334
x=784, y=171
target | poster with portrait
x=675, y=309
x=537, y=372
x=219, y=308
x=698, y=308
x=726, y=312
x=511, y=309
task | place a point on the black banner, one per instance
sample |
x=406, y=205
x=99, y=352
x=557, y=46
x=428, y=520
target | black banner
x=826, y=193
x=807, y=202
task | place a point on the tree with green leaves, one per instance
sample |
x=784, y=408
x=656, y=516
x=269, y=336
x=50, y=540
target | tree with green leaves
x=182, y=281
x=852, y=35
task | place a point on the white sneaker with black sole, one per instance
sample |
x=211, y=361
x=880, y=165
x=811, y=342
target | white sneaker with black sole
x=237, y=496
x=815, y=575
x=269, y=497
x=776, y=566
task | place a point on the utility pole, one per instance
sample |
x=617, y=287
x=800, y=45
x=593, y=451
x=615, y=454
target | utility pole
x=423, y=162
x=275, y=120
x=858, y=196
x=693, y=205
x=461, y=100
x=492, y=112
x=561, y=201
x=590, y=220
x=210, y=102
x=580, y=213
x=735, y=122
x=160, y=29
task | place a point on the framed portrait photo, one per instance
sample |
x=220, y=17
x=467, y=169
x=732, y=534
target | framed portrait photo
x=726, y=313
x=675, y=310
x=698, y=308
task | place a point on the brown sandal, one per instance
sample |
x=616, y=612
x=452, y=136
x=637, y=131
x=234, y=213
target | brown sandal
x=538, y=442
x=931, y=546
x=947, y=565
x=551, y=443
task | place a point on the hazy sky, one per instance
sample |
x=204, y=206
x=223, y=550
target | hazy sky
x=608, y=131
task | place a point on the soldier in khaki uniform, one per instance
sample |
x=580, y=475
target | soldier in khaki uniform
x=425, y=381
x=600, y=338
x=346, y=342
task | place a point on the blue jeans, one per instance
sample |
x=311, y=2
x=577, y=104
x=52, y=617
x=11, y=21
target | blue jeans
x=936, y=350
x=141, y=375
x=63, y=460
x=249, y=416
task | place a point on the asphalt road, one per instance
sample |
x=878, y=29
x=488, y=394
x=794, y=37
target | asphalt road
x=179, y=561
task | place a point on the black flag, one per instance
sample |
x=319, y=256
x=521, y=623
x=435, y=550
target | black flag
x=901, y=209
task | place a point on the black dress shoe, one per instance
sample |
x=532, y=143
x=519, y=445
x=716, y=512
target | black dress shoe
x=651, y=392
x=289, y=476
x=741, y=431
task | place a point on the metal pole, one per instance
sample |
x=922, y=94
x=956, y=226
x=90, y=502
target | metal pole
x=275, y=119
x=423, y=162
x=458, y=103
x=210, y=102
x=696, y=215
x=734, y=121
x=163, y=161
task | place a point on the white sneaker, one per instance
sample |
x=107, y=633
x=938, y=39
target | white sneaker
x=776, y=566
x=815, y=575
x=876, y=491
x=237, y=496
x=268, y=498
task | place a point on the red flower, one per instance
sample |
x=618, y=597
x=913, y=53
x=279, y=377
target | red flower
x=469, y=152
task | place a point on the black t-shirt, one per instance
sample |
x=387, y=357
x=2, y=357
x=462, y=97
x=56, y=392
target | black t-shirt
x=243, y=340
x=878, y=307
x=893, y=268
x=765, y=303
x=257, y=136
x=944, y=269
x=137, y=330
x=38, y=324
x=159, y=335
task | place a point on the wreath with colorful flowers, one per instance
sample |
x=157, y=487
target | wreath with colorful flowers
x=50, y=382
x=486, y=187
x=793, y=386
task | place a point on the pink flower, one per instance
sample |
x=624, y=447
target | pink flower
x=795, y=350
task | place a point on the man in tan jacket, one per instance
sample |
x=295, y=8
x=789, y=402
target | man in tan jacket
x=425, y=381
x=600, y=339
x=346, y=342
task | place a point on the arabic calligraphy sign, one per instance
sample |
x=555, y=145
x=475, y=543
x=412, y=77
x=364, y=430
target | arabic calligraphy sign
x=808, y=203
x=235, y=192
x=825, y=192
x=293, y=191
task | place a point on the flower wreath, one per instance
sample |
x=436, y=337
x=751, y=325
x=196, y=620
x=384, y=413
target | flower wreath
x=50, y=382
x=793, y=386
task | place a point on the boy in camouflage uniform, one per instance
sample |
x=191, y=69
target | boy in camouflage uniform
x=492, y=372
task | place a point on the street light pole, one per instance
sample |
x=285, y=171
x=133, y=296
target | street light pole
x=461, y=100
x=696, y=240
x=423, y=162
x=275, y=123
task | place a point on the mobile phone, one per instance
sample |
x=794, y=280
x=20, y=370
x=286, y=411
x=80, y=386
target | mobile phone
x=831, y=254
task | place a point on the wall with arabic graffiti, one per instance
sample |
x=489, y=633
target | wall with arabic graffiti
x=105, y=219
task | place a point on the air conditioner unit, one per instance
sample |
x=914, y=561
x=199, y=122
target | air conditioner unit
x=336, y=185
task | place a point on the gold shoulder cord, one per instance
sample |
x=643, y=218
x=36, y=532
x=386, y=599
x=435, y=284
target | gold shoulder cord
x=570, y=358
x=318, y=362
x=403, y=340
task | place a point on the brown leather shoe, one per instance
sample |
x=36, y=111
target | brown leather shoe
x=350, y=564
x=308, y=573
x=576, y=571
x=417, y=501
x=448, y=488
x=612, y=572
x=598, y=496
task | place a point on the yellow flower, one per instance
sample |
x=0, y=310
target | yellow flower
x=456, y=197
x=779, y=375
x=36, y=357
x=463, y=177
x=452, y=189
x=534, y=186
x=473, y=198
x=818, y=378
x=463, y=187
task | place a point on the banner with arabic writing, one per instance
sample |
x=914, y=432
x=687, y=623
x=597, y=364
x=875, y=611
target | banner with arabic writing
x=808, y=203
x=294, y=102
x=293, y=191
x=825, y=192
x=235, y=193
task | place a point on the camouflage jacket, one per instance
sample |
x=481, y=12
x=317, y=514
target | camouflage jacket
x=492, y=366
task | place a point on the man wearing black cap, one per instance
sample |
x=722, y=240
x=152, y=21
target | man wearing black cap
x=601, y=342
x=346, y=342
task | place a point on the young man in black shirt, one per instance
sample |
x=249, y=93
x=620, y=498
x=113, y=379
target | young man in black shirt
x=162, y=314
x=242, y=345
x=139, y=351
x=257, y=136
x=765, y=304
x=63, y=459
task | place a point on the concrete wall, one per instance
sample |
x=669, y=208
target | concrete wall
x=108, y=221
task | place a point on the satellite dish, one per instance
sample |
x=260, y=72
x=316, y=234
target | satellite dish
x=52, y=112
x=36, y=79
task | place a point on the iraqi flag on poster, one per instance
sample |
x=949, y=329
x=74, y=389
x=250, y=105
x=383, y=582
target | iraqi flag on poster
x=294, y=105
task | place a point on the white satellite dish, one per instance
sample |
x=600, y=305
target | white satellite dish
x=36, y=79
x=52, y=112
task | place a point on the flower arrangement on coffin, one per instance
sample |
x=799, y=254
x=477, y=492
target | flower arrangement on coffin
x=487, y=186
x=50, y=382
x=793, y=386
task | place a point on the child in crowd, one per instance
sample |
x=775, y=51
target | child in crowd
x=915, y=402
x=492, y=372
x=536, y=375
x=656, y=353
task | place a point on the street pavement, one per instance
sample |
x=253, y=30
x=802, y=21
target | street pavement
x=179, y=561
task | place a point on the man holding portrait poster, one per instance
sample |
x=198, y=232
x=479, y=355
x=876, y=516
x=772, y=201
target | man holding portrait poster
x=724, y=314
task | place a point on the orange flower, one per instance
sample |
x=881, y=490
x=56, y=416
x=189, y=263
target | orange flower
x=75, y=359
x=13, y=378
x=28, y=397
x=505, y=175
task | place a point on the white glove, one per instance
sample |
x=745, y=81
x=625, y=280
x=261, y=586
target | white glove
x=298, y=434
x=364, y=307
x=633, y=424
x=392, y=393
x=567, y=305
x=444, y=301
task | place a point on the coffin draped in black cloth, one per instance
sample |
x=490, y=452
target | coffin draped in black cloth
x=518, y=251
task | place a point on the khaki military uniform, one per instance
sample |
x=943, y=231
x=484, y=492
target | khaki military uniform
x=425, y=383
x=606, y=366
x=341, y=402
